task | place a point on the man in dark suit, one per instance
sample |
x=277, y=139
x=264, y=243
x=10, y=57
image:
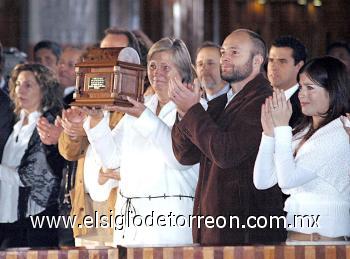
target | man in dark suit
x=286, y=56
x=3, y=81
x=225, y=139
x=66, y=72
x=47, y=53
x=341, y=51
x=6, y=120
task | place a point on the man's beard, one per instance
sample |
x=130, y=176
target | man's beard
x=208, y=84
x=239, y=73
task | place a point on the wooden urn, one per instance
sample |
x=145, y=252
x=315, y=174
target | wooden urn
x=106, y=76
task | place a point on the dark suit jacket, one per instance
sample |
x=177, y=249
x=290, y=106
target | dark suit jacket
x=6, y=120
x=225, y=141
x=297, y=114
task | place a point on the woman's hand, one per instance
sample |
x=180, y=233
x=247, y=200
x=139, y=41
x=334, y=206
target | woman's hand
x=266, y=119
x=106, y=174
x=72, y=122
x=49, y=133
x=281, y=109
x=183, y=95
x=136, y=110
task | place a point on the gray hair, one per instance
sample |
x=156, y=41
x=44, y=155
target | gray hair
x=181, y=57
x=208, y=44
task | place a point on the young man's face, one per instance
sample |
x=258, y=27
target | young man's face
x=236, y=62
x=47, y=58
x=281, y=68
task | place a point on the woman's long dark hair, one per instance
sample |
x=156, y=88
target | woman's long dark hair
x=329, y=73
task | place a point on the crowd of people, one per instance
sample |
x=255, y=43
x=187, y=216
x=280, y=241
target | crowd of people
x=243, y=132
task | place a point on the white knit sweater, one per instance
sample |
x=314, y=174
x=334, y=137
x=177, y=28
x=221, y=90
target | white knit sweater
x=317, y=179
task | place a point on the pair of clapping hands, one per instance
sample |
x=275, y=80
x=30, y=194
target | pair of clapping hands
x=184, y=95
x=71, y=123
x=275, y=112
x=72, y=119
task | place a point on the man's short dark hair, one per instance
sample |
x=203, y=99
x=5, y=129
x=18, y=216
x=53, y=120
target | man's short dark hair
x=132, y=40
x=299, y=50
x=338, y=44
x=51, y=45
x=208, y=44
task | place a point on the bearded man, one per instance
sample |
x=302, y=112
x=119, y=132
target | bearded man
x=225, y=139
x=208, y=71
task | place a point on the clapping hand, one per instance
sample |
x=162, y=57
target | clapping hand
x=48, y=132
x=266, y=119
x=72, y=122
x=183, y=95
x=281, y=109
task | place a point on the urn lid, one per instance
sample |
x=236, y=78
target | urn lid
x=109, y=57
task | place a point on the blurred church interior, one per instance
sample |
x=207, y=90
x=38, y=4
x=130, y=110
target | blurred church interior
x=82, y=22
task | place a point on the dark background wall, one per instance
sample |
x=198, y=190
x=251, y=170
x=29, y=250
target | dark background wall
x=197, y=21
x=10, y=23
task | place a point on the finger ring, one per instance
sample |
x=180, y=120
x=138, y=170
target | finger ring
x=274, y=107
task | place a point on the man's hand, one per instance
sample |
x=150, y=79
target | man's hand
x=183, y=95
x=49, y=133
x=74, y=114
x=72, y=122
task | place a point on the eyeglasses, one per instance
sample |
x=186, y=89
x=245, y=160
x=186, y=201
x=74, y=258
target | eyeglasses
x=206, y=63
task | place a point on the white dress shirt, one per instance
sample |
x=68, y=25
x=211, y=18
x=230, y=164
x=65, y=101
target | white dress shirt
x=2, y=82
x=222, y=91
x=229, y=94
x=68, y=90
x=290, y=91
